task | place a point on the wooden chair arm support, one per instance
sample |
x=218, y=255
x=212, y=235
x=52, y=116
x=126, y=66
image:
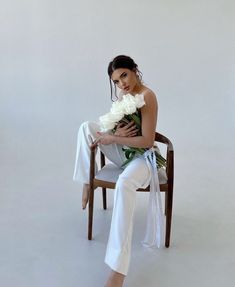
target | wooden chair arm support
x=170, y=167
x=162, y=139
x=169, y=156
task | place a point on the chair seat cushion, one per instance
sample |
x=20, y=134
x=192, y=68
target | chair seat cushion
x=110, y=172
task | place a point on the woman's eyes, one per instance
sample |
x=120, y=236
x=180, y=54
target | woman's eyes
x=122, y=76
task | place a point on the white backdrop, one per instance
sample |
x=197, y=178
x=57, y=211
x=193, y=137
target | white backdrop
x=53, y=61
x=54, y=56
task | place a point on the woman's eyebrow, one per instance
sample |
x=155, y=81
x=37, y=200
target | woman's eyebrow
x=119, y=77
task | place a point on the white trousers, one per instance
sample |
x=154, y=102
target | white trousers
x=135, y=175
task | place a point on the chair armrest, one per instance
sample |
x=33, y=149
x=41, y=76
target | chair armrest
x=170, y=166
x=163, y=139
x=169, y=156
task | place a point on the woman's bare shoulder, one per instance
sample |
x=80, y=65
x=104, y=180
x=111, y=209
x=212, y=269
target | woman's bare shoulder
x=148, y=91
x=149, y=95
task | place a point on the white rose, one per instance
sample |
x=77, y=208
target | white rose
x=129, y=104
x=139, y=100
x=115, y=117
x=107, y=122
x=117, y=110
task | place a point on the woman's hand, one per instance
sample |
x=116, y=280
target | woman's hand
x=126, y=130
x=104, y=138
x=123, y=130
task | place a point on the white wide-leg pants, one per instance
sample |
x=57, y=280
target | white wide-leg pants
x=135, y=175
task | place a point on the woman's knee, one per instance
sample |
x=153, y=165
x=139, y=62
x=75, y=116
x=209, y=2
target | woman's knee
x=126, y=182
x=137, y=174
x=89, y=127
x=84, y=125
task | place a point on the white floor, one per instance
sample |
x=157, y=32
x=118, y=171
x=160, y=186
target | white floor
x=44, y=231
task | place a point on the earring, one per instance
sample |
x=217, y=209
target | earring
x=138, y=77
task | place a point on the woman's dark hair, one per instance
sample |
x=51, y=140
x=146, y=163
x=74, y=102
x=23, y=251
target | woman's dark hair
x=124, y=62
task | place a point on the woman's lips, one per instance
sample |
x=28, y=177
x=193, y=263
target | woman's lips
x=126, y=89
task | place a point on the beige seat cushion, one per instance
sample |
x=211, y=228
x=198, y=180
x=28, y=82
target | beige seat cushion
x=110, y=172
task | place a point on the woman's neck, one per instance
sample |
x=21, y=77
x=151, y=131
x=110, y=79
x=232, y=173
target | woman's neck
x=138, y=89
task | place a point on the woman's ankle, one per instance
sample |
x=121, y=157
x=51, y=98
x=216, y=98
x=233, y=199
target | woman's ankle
x=115, y=279
x=85, y=195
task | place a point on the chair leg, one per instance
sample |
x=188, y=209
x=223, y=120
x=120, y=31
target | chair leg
x=168, y=217
x=166, y=193
x=90, y=212
x=104, y=198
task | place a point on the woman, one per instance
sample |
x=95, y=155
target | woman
x=123, y=73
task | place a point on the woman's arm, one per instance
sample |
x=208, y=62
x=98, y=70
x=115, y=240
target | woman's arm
x=149, y=118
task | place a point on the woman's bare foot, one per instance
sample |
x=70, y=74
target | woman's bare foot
x=115, y=279
x=85, y=195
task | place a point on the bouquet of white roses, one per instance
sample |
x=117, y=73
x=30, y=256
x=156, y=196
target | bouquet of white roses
x=125, y=111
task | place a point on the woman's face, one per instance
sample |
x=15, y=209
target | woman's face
x=125, y=79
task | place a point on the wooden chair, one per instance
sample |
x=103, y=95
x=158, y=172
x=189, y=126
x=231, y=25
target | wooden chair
x=100, y=180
